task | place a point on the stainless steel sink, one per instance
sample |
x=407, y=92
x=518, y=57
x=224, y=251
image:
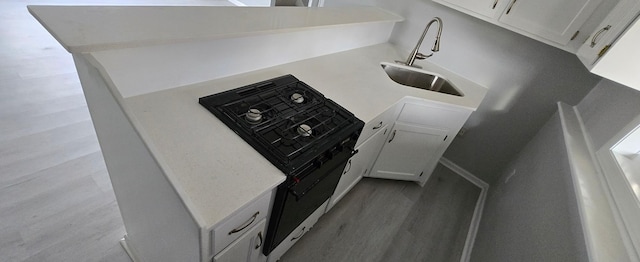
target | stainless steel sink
x=420, y=79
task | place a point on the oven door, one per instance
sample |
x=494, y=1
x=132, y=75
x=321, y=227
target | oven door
x=296, y=200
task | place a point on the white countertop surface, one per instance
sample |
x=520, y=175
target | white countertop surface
x=216, y=170
x=93, y=28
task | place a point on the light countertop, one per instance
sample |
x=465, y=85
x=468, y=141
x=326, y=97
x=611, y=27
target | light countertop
x=94, y=28
x=217, y=171
x=213, y=170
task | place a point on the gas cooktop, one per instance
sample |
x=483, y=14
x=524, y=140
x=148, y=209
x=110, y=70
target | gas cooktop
x=286, y=120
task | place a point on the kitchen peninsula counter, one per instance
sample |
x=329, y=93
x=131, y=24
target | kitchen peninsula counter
x=96, y=28
x=179, y=172
x=216, y=169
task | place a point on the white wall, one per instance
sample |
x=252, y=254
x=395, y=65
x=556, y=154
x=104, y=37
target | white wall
x=525, y=77
x=607, y=109
x=531, y=212
x=532, y=216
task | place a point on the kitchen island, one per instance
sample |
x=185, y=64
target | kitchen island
x=178, y=172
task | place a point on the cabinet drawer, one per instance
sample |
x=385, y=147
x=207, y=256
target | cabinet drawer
x=246, y=248
x=293, y=238
x=376, y=124
x=240, y=223
x=427, y=115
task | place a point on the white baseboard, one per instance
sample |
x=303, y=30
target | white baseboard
x=128, y=249
x=477, y=213
x=236, y=2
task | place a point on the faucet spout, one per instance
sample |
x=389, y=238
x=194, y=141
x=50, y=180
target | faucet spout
x=415, y=54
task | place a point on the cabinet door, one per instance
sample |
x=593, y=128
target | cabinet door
x=554, y=20
x=621, y=63
x=409, y=148
x=603, y=37
x=359, y=165
x=246, y=248
x=488, y=8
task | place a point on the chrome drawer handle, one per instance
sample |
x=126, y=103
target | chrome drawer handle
x=510, y=6
x=301, y=233
x=393, y=135
x=249, y=222
x=594, y=40
x=259, y=238
x=378, y=126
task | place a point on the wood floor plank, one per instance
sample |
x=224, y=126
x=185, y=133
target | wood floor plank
x=383, y=220
x=46, y=142
x=12, y=247
x=101, y=231
x=51, y=178
x=437, y=226
x=21, y=170
x=17, y=127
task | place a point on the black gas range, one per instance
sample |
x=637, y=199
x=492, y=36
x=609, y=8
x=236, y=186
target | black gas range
x=304, y=134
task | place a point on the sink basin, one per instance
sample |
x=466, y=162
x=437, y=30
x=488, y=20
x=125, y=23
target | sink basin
x=417, y=78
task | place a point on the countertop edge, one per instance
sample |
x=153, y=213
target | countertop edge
x=80, y=42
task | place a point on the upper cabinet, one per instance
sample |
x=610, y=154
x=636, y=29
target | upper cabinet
x=621, y=63
x=604, y=35
x=612, y=49
x=554, y=22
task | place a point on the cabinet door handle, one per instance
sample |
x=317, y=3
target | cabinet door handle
x=348, y=167
x=594, y=40
x=300, y=235
x=510, y=6
x=494, y=4
x=248, y=223
x=378, y=126
x=393, y=135
x=259, y=238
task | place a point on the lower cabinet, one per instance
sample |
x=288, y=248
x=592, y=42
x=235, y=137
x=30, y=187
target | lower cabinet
x=293, y=238
x=359, y=165
x=422, y=132
x=247, y=247
x=409, y=149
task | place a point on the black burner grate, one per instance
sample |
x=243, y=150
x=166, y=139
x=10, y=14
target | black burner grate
x=282, y=110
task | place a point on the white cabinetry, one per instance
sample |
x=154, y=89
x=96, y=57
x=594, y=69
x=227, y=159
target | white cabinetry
x=612, y=49
x=421, y=134
x=608, y=31
x=359, y=165
x=297, y=233
x=246, y=248
x=407, y=151
x=551, y=21
x=232, y=237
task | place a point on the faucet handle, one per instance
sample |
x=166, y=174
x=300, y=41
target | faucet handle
x=422, y=56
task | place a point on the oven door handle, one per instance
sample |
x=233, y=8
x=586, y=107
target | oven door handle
x=348, y=168
x=299, y=235
x=345, y=159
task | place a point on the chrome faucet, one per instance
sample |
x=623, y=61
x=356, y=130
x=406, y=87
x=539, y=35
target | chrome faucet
x=415, y=54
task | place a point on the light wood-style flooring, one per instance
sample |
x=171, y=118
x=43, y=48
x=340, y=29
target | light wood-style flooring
x=383, y=220
x=57, y=203
x=56, y=200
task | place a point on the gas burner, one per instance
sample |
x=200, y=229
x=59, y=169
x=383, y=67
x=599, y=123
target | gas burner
x=304, y=130
x=253, y=115
x=297, y=98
